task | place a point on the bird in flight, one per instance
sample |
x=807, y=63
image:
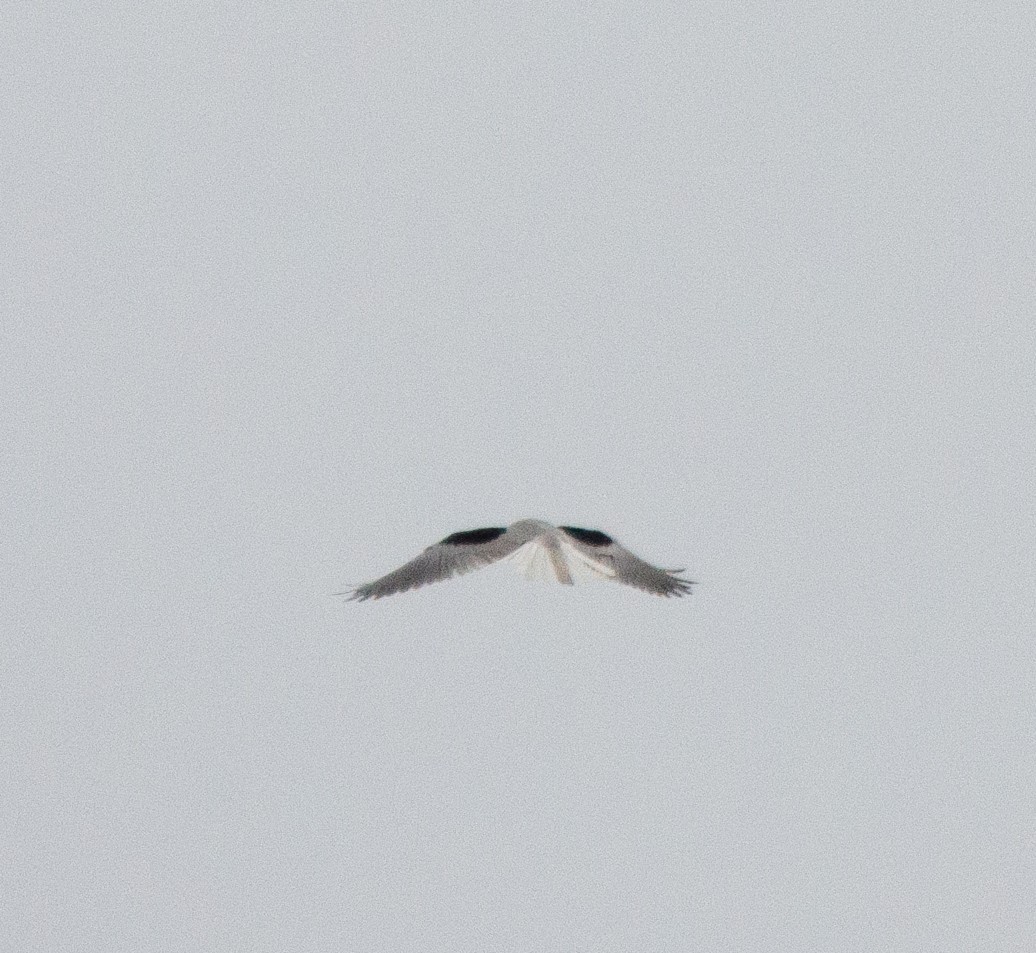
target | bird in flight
x=540, y=551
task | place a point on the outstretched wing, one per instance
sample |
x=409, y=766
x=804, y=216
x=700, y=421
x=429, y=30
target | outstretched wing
x=627, y=568
x=453, y=556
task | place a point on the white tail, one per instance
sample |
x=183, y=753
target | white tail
x=557, y=563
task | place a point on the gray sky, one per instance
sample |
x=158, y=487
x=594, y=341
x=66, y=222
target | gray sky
x=291, y=291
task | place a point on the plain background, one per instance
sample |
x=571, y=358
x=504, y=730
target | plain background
x=292, y=290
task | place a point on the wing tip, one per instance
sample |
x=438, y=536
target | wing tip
x=354, y=594
x=678, y=586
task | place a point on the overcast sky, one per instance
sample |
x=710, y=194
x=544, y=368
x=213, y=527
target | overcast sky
x=290, y=291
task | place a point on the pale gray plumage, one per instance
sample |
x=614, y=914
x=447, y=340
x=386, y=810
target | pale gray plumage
x=543, y=551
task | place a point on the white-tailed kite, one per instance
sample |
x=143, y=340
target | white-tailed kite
x=541, y=551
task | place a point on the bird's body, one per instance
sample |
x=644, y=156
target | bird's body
x=540, y=550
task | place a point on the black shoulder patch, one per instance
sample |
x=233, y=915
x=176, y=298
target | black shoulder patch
x=472, y=537
x=592, y=537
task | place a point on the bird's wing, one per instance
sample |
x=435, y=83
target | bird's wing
x=628, y=568
x=453, y=556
